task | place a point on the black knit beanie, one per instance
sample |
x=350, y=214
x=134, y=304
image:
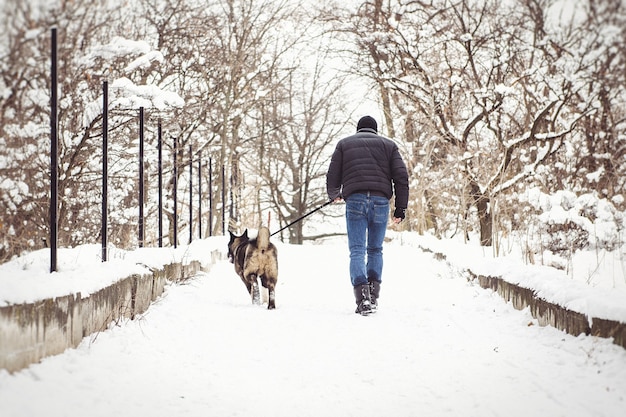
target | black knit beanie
x=367, y=122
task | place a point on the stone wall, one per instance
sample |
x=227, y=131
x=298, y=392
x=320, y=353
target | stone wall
x=32, y=331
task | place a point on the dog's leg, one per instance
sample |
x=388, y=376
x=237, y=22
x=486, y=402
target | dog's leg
x=256, y=296
x=248, y=284
x=268, y=285
x=271, y=304
x=264, y=290
x=271, y=296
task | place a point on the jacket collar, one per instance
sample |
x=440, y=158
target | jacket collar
x=367, y=129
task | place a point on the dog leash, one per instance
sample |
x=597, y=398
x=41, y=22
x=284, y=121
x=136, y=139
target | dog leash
x=300, y=218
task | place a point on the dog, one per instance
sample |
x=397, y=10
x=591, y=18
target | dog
x=254, y=259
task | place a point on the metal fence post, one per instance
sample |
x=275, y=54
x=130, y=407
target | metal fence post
x=200, y=195
x=190, y=194
x=210, y=196
x=54, y=153
x=160, y=169
x=141, y=182
x=223, y=200
x=175, y=191
x=105, y=166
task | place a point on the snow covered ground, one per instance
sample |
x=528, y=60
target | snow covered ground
x=439, y=346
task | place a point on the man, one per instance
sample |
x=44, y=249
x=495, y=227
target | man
x=366, y=170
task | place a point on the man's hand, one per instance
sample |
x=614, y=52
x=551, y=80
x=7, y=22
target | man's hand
x=398, y=215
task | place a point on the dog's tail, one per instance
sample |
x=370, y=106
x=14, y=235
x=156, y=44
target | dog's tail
x=263, y=238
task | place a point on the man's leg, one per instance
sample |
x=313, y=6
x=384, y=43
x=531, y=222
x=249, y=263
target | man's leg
x=356, y=225
x=378, y=216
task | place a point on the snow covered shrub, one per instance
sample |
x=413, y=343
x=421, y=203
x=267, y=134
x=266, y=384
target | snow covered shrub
x=565, y=238
x=567, y=223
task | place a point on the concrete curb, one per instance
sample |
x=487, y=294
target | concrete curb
x=546, y=312
x=32, y=331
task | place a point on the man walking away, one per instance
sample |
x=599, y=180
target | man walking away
x=366, y=170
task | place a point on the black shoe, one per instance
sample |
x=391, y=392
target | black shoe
x=363, y=303
x=364, y=308
x=374, y=293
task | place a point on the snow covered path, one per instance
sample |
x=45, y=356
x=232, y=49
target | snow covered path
x=439, y=346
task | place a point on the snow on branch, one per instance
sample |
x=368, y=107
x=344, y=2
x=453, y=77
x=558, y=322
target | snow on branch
x=119, y=48
x=542, y=153
x=148, y=96
x=144, y=61
x=129, y=95
x=139, y=53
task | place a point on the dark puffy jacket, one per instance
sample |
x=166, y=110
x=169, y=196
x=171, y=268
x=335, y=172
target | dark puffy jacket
x=368, y=162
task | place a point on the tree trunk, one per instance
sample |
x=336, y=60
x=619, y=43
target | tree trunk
x=486, y=224
x=295, y=234
x=481, y=201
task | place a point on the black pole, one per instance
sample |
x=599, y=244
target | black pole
x=223, y=201
x=210, y=196
x=141, y=183
x=105, y=165
x=200, y=196
x=160, y=168
x=190, y=194
x=54, y=154
x=175, y=192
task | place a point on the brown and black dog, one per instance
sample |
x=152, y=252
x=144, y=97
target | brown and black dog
x=254, y=259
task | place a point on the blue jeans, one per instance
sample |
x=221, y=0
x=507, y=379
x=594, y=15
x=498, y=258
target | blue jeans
x=366, y=221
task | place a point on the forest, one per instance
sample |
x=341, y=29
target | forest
x=506, y=112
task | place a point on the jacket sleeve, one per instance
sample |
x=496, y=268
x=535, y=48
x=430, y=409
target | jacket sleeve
x=400, y=178
x=334, y=174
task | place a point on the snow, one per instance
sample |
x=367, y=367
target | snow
x=144, y=95
x=439, y=346
x=144, y=61
x=126, y=94
x=27, y=279
x=595, y=285
x=119, y=47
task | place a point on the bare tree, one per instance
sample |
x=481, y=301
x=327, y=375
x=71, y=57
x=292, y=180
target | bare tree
x=301, y=122
x=247, y=43
x=495, y=95
x=26, y=122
